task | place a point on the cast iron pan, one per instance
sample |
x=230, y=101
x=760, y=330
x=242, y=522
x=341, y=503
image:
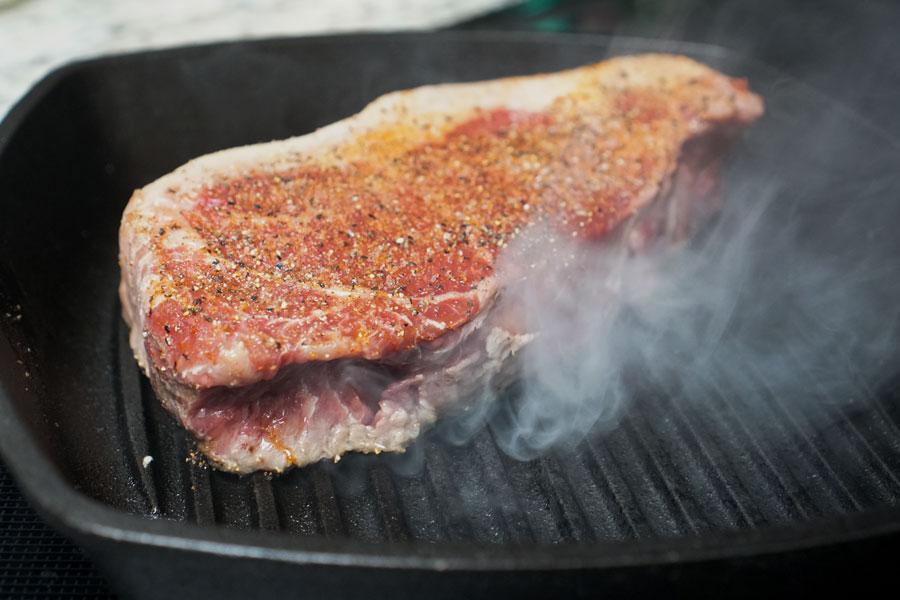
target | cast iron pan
x=635, y=513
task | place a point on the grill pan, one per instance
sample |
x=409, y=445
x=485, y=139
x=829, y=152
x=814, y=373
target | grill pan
x=672, y=496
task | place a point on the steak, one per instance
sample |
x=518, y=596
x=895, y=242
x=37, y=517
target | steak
x=339, y=291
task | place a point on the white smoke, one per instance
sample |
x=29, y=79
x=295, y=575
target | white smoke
x=793, y=290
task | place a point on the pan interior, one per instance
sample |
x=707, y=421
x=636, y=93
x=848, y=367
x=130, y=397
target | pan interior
x=678, y=462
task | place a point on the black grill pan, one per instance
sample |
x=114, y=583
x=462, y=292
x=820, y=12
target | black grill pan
x=673, y=497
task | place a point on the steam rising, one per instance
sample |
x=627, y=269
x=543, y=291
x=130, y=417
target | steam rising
x=792, y=290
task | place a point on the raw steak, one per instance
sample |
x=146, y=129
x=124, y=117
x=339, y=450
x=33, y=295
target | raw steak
x=338, y=291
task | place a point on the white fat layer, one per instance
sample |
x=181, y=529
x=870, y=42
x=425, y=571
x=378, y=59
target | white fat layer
x=234, y=360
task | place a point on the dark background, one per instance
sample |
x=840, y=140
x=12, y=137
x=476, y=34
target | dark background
x=849, y=50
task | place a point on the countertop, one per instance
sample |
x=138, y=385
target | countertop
x=38, y=35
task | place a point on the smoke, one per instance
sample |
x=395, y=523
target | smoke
x=793, y=289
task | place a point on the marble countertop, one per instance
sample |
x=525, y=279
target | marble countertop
x=37, y=36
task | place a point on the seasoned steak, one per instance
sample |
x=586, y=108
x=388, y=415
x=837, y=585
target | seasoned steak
x=338, y=291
